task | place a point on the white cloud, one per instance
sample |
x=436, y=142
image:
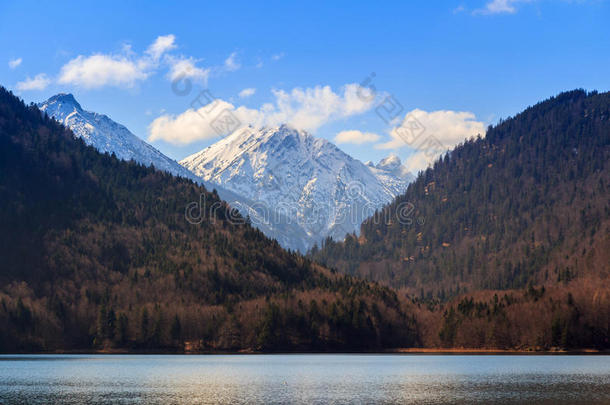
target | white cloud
x=448, y=127
x=306, y=109
x=432, y=133
x=181, y=68
x=277, y=56
x=247, y=92
x=512, y=6
x=356, y=137
x=102, y=70
x=122, y=70
x=14, y=63
x=198, y=124
x=231, y=63
x=500, y=7
x=313, y=107
x=39, y=82
x=418, y=161
x=126, y=68
x=162, y=44
x=190, y=126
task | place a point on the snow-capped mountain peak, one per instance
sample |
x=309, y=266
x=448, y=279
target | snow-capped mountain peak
x=105, y=135
x=324, y=191
x=390, y=163
x=64, y=99
x=393, y=165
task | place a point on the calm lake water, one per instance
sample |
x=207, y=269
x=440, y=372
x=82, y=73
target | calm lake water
x=417, y=379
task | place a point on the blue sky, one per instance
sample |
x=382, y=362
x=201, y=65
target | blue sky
x=455, y=65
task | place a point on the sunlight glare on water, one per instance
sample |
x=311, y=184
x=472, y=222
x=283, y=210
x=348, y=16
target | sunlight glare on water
x=228, y=379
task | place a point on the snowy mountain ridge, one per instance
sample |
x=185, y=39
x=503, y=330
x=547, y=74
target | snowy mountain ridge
x=106, y=135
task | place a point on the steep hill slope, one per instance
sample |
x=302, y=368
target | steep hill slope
x=528, y=203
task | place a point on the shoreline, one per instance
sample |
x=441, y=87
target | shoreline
x=398, y=351
x=449, y=351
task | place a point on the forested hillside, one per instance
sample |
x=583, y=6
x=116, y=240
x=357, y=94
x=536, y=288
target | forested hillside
x=96, y=253
x=528, y=204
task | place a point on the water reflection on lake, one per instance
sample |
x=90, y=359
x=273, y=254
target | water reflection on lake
x=418, y=379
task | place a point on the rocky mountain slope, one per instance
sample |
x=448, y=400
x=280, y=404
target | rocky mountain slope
x=108, y=136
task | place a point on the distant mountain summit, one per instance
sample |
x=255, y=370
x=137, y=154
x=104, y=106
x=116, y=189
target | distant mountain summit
x=101, y=132
x=392, y=164
x=313, y=183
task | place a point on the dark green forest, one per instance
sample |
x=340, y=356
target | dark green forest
x=509, y=238
x=528, y=203
x=96, y=254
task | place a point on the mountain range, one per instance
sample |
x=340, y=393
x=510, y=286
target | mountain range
x=296, y=188
x=97, y=253
x=510, y=249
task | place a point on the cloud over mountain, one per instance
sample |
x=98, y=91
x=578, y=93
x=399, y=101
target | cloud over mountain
x=38, y=82
x=306, y=109
x=430, y=133
x=356, y=137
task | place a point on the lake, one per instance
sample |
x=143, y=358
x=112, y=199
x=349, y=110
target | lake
x=196, y=379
